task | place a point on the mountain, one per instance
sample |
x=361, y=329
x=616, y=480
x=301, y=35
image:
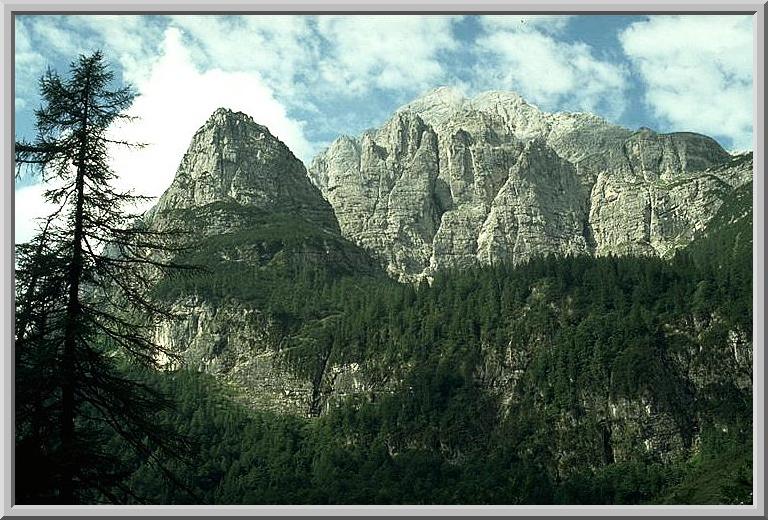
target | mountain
x=581, y=377
x=233, y=162
x=256, y=228
x=451, y=182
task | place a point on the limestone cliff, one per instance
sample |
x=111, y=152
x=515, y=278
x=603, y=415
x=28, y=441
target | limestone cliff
x=233, y=161
x=452, y=182
x=250, y=219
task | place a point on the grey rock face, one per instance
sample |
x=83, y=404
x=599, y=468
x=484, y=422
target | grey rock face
x=660, y=211
x=243, y=347
x=235, y=161
x=238, y=345
x=240, y=194
x=447, y=182
x=536, y=211
x=452, y=182
x=382, y=187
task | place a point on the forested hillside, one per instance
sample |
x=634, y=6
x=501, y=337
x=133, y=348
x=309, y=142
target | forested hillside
x=562, y=380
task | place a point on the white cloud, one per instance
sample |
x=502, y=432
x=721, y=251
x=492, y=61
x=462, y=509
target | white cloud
x=27, y=67
x=29, y=206
x=175, y=100
x=385, y=52
x=545, y=70
x=55, y=33
x=281, y=49
x=65, y=37
x=117, y=35
x=298, y=55
x=697, y=71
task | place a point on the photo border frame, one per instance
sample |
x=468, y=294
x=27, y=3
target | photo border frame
x=10, y=8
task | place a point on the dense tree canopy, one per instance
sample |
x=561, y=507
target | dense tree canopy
x=589, y=332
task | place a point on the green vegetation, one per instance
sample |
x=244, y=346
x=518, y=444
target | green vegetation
x=606, y=353
x=563, y=380
x=266, y=253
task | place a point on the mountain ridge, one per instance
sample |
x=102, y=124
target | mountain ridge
x=265, y=221
x=390, y=205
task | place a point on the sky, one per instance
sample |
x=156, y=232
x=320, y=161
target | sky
x=312, y=78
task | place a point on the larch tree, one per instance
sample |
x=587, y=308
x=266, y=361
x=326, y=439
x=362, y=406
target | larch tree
x=84, y=314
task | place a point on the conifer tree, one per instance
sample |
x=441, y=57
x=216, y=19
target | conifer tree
x=83, y=308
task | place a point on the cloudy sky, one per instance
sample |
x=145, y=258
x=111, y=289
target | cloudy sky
x=311, y=78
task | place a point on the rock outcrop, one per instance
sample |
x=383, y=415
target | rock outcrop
x=234, y=162
x=450, y=182
x=249, y=217
x=446, y=183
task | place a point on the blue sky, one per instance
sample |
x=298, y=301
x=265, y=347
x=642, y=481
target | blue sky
x=312, y=78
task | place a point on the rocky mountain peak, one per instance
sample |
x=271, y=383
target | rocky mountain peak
x=224, y=121
x=232, y=160
x=449, y=181
x=440, y=105
x=223, y=113
x=437, y=104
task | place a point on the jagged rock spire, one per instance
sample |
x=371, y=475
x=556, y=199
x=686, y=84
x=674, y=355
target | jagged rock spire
x=234, y=160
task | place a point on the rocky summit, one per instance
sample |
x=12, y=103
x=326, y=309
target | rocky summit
x=609, y=356
x=478, y=302
x=451, y=182
x=252, y=221
x=234, y=162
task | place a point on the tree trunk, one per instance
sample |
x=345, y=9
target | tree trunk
x=72, y=324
